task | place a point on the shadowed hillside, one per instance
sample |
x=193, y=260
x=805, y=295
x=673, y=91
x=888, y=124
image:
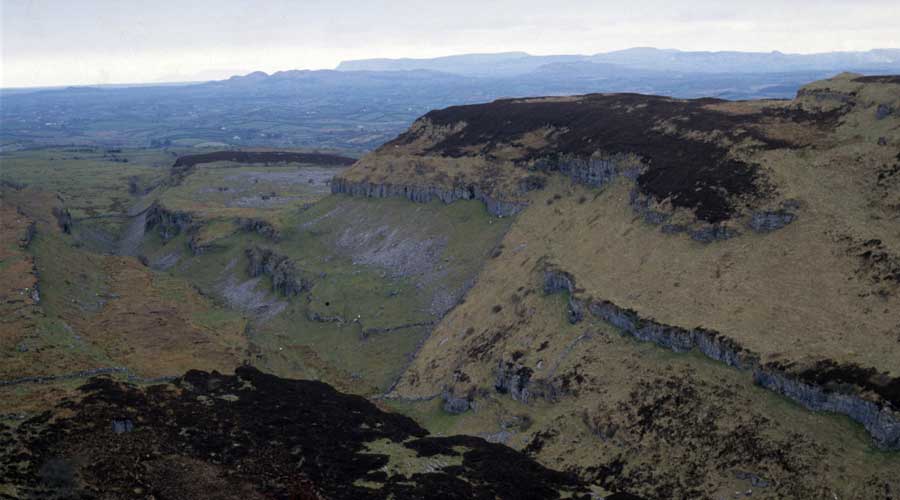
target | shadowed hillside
x=252, y=435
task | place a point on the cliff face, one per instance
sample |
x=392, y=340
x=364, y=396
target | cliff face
x=63, y=219
x=425, y=194
x=587, y=137
x=260, y=227
x=168, y=223
x=878, y=410
x=286, y=279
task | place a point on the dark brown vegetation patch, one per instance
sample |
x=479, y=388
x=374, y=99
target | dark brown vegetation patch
x=693, y=173
x=878, y=79
x=264, y=157
x=251, y=436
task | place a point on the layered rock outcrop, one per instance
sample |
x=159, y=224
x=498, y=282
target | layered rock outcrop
x=168, y=223
x=870, y=402
x=63, y=219
x=595, y=171
x=286, y=279
x=261, y=227
x=426, y=194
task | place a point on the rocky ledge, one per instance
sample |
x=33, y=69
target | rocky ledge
x=426, y=194
x=259, y=226
x=169, y=223
x=865, y=395
x=285, y=276
x=253, y=436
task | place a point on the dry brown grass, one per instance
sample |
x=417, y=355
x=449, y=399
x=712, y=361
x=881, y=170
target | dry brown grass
x=797, y=295
x=17, y=278
x=102, y=311
x=155, y=325
x=730, y=286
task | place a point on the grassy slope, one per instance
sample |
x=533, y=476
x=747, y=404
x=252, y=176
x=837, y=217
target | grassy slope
x=100, y=311
x=363, y=294
x=800, y=294
x=225, y=189
x=797, y=295
x=804, y=283
x=704, y=414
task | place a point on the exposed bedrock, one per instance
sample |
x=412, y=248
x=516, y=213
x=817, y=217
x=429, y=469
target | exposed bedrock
x=286, y=279
x=198, y=248
x=454, y=405
x=559, y=281
x=883, y=111
x=63, y=219
x=671, y=137
x=767, y=221
x=826, y=387
x=882, y=423
x=169, y=223
x=593, y=171
x=513, y=378
x=260, y=227
x=711, y=233
x=764, y=222
x=761, y=221
x=426, y=194
x=28, y=235
x=709, y=342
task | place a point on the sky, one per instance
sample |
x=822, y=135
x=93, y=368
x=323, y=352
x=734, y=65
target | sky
x=83, y=42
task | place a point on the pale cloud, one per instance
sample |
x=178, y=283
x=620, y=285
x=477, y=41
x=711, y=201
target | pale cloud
x=50, y=42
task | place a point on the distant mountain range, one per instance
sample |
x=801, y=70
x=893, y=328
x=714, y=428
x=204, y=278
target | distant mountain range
x=647, y=58
x=362, y=104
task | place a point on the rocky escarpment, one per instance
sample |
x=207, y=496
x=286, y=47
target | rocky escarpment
x=63, y=219
x=595, y=171
x=680, y=155
x=168, y=223
x=866, y=396
x=260, y=227
x=253, y=435
x=184, y=165
x=513, y=379
x=199, y=246
x=681, y=143
x=286, y=278
x=28, y=235
x=598, y=171
x=559, y=282
x=426, y=194
x=880, y=420
x=264, y=157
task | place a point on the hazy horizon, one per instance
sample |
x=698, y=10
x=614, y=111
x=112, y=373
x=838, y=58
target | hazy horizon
x=54, y=43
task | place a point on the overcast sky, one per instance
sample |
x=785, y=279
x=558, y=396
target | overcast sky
x=59, y=42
